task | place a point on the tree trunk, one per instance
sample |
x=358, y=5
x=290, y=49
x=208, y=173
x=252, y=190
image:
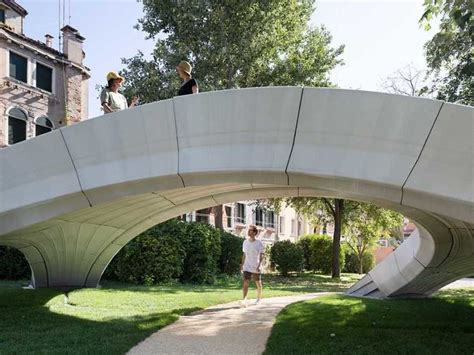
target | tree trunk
x=336, y=243
x=218, y=217
x=361, y=264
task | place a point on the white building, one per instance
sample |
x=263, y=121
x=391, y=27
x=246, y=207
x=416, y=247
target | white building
x=238, y=216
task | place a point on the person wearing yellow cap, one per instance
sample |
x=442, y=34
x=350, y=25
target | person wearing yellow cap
x=110, y=98
x=190, y=85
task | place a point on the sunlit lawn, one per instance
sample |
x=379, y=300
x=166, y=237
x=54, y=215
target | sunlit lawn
x=116, y=317
x=340, y=324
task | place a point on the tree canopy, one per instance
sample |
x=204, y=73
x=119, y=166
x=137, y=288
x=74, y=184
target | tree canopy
x=449, y=53
x=231, y=44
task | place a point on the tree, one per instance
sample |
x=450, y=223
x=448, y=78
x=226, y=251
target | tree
x=231, y=44
x=449, y=53
x=408, y=81
x=366, y=225
x=343, y=213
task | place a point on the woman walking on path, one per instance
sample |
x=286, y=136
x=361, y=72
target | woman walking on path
x=190, y=85
x=110, y=98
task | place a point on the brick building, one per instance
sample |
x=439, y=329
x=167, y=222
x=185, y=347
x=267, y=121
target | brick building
x=41, y=88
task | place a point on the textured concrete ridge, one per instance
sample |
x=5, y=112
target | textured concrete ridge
x=221, y=329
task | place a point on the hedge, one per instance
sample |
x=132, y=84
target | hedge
x=13, y=264
x=287, y=256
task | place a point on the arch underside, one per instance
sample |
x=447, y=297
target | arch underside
x=70, y=199
x=74, y=249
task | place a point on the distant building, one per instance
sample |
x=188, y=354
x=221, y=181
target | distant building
x=41, y=89
x=238, y=216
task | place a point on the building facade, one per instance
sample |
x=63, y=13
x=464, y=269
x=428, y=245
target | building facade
x=238, y=216
x=41, y=88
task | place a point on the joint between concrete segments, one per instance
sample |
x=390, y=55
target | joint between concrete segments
x=421, y=151
x=74, y=166
x=294, y=137
x=177, y=141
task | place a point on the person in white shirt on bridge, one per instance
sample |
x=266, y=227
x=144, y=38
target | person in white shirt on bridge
x=251, y=264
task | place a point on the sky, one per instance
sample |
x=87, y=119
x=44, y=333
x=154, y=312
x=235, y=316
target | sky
x=380, y=36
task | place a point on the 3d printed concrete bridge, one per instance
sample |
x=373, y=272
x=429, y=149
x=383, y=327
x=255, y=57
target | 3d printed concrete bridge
x=70, y=199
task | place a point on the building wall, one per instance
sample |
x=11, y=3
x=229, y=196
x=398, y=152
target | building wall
x=268, y=233
x=35, y=101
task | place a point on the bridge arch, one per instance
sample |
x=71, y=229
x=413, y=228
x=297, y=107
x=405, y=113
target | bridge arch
x=112, y=177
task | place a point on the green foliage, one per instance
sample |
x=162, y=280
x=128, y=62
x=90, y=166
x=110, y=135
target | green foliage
x=231, y=44
x=202, y=253
x=231, y=253
x=352, y=264
x=320, y=253
x=449, y=53
x=13, y=264
x=305, y=244
x=287, y=256
x=149, y=259
x=171, y=250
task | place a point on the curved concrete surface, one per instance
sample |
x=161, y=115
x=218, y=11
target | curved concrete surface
x=72, y=198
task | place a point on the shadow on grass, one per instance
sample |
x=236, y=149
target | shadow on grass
x=346, y=325
x=27, y=324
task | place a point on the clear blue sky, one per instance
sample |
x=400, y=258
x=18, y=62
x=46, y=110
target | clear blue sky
x=380, y=36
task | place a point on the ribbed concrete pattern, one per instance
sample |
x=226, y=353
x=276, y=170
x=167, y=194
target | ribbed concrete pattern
x=72, y=198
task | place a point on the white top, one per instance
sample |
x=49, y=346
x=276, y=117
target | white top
x=252, y=252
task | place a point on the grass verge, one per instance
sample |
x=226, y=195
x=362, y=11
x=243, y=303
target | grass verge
x=116, y=317
x=340, y=324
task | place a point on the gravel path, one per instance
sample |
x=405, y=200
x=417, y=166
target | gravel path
x=222, y=329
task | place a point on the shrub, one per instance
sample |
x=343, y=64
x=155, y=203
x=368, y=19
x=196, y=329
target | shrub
x=305, y=244
x=231, y=253
x=170, y=250
x=149, y=259
x=13, y=264
x=202, y=253
x=319, y=253
x=352, y=261
x=286, y=256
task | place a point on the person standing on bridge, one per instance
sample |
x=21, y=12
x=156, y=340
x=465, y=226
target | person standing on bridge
x=110, y=98
x=251, y=264
x=190, y=85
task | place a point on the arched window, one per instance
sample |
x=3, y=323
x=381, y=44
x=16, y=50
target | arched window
x=43, y=125
x=16, y=126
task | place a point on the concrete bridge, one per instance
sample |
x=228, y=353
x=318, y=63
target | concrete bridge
x=71, y=199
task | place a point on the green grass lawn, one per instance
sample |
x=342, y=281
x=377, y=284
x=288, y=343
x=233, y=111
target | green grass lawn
x=340, y=324
x=116, y=317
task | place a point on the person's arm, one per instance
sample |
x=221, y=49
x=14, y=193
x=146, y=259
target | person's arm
x=104, y=100
x=243, y=261
x=260, y=258
x=107, y=108
x=195, y=87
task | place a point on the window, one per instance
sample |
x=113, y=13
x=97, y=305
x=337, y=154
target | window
x=258, y=216
x=293, y=226
x=18, y=67
x=16, y=126
x=44, y=77
x=43, y=125
x=300, y=228
x=202, y=216
x=281, y=229
x=2, y=16
x=240, y=213
x=228, y=214
x=270, y=219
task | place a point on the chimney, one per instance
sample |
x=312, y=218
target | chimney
x=48, y=39
x=72, y=44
